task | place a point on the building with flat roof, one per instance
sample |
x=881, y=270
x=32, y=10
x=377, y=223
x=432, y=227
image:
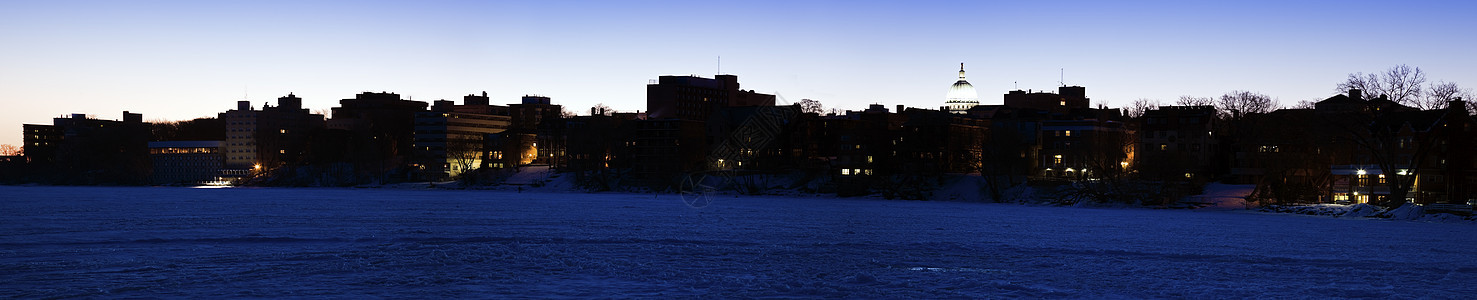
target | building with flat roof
x=186, y=162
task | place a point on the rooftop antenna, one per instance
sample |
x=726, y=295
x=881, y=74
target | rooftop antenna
x=1063, y=79
x=1017, y=85
x=720, y=65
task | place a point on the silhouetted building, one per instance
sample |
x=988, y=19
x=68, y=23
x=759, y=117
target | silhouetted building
x=186, y=162
x=696, y=98
x=265, y=139
x=668, y=147
x=83, y=150
x=538, y=117
x=598, y=146
x=1178, y=141
x=1066, y=99
x=1083, y=146
x=942, y=141
x=381, y=127
x=688, y=116
x=41, y=143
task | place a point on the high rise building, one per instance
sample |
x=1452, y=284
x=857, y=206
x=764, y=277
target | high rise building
x=382, y=126
x=269, y=137
x=696, y=98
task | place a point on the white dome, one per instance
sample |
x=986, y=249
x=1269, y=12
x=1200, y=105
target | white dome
x=962, y=95
x=962, y=90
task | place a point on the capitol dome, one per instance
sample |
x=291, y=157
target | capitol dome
x=962, y=95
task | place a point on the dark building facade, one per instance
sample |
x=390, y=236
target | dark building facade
x=696, y=98
x=84, y=150
x=268, y=138
x=378, y=128
x=1063, y=101
x=1178, y=140
x=186, y=162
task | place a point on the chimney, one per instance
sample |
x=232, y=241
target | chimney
x=1457, y=106
x=899, y=108
x=1356, y=94
x=592, y=111
x=243, y=105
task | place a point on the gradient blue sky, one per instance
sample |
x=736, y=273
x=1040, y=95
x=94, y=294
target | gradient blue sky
x=175, y=60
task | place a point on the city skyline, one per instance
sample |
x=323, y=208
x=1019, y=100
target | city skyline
x=183, y=60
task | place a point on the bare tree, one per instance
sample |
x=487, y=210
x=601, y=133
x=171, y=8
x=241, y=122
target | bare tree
x=1438, y=94
x=464, y=153
x=1138, y=107
x=1237, y=104
x=1305, y=104
x=1391, y=144
x=1401, y=84
x=1188, y=100
x=10, y=150
x=811, y=106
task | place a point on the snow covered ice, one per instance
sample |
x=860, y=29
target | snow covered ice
x=208, y=243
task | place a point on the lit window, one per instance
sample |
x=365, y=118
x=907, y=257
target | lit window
x=1057, y=159
x=845, y=171
x=1069, y=133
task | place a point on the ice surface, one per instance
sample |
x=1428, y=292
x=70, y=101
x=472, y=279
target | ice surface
x=375, y=243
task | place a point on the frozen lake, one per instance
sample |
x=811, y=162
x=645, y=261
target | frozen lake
x=209, y=243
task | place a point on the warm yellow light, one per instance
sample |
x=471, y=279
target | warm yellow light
x=257, y=166
x=1361, y=172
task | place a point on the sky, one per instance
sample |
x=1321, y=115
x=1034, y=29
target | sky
x=179, y=60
